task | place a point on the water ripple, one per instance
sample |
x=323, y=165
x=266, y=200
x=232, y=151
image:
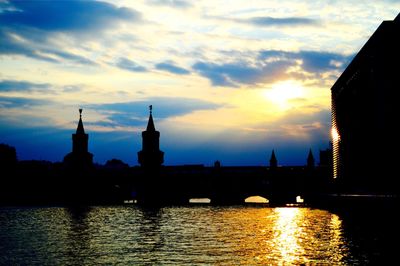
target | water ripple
x=175, y=235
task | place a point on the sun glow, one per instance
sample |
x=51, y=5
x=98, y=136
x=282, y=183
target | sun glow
x=282, y=92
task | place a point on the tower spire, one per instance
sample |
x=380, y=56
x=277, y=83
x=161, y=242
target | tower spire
x=150, y=124
x=310, y=160
x=273, y=162
x=80, y=129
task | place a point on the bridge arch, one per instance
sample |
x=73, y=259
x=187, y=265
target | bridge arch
x=254, y=199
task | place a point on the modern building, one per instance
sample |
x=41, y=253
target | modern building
x=365, y=116
x=80, y=156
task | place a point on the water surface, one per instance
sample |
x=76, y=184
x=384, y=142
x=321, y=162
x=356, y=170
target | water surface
x=130, y=235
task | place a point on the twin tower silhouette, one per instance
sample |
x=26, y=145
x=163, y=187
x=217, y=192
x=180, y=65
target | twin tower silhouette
x=149, y=157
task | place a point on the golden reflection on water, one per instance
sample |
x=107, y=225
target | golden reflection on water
x=176, y=235
x=286, y=234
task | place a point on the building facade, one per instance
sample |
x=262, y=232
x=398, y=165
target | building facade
x=365, y=115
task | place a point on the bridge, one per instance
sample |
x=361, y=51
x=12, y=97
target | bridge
x=226, y=185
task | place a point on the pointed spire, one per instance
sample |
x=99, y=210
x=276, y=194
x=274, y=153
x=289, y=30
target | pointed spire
x=80, y=129
x=150, y=124
x=310, y=159
x=273, y=162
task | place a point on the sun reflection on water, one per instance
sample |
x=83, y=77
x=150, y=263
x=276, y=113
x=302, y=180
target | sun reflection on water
x=287, y=234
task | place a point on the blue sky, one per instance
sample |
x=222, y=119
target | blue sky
x=228, y=81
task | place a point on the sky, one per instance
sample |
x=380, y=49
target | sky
x=228, y=80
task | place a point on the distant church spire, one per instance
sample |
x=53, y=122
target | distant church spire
x=273, y=162
x=310, y=160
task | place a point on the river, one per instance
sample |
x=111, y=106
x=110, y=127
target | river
x=199, y=235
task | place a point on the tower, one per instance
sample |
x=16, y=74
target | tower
x=273, y=162
x=79, y=157
x=150, y=156
x=310, y=160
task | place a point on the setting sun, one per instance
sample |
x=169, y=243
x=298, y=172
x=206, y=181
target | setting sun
x=284, y=91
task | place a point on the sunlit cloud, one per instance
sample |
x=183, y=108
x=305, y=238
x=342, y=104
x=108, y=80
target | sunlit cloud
x=241, y=73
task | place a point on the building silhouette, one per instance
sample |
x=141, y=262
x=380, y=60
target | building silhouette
x=273, y=162
x=310, y=160
x=365, y=114
x=150, y=156
x=80, y=157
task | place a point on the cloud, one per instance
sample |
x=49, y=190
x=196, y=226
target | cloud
x=136, y=113
x=71, y=88
x=10, y=43
x=323, y=61
x=129, y=65
x=170, y=66
x=232, y=74
x=287, y=21
x=269, y=66
x=29, y=28
x=73, y=15
x=267, y=21
x=20, y=102
x=171, y=3
x=26, y=86
x=22, y=86
x=312, y=61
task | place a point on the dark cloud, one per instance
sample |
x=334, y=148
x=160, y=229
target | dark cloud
x=171, y=3
x=241, y=73
x=74, y=15
x=22, y=86
x=267, y=21
x=10, y=45
x=170, y=66
x=26, y=86
x=129, y=65
x=270, y=66
x=34, y=22
x=288, y=21
x=20, y=102
x=136, y=113
x=323, y=61
x=312, y=61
